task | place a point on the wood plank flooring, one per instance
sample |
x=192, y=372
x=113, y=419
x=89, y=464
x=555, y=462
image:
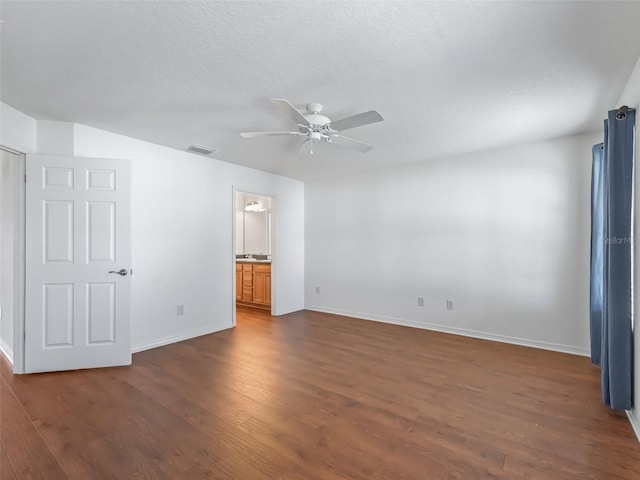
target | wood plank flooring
x=311, y=396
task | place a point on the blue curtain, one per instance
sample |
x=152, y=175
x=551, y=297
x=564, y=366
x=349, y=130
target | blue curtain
x=612, y=227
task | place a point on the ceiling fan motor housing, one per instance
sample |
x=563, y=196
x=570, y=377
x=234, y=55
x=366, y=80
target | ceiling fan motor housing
x=317, y=119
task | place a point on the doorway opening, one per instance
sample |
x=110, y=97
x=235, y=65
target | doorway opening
x=12, y=169
x=253, y=252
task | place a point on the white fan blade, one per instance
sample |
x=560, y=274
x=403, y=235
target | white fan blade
x=307, y=147
x=267, y=134
x=356, y=121
x=290, y=110
x=349, y=143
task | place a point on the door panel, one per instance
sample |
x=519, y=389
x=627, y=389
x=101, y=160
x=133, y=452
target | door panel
x=58, y=231
x=57, y=314
x=101, y=235
x=101, y=180
x=77, y=231
x=57, y=177
x=101, y=313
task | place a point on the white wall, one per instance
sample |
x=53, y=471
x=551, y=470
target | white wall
x=182, y=236
x=631, y=97
x=17, y=130
x=8, y=167
x=55, y=138
x=504, y=234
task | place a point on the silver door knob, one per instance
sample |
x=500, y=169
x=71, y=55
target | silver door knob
x=122, y=271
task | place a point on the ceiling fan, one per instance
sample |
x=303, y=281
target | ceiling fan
x=317, y=127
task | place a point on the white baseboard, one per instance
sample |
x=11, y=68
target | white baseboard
x=6, y=350
x=175, y=338
x=634, y=418
x=556, y=347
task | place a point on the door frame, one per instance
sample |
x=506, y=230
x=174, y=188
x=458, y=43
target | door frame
x=18, y=259
x=274, y=203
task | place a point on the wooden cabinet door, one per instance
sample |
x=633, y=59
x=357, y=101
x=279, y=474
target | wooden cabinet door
x=262, y=284
x=238, y=284
x=267, y=289
x=258, y=287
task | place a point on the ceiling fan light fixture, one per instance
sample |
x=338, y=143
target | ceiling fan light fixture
x=307, y=147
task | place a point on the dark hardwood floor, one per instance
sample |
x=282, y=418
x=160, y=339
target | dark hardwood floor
x=310, y=396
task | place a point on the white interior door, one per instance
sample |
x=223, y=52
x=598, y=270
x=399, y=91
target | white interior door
x=77, y=263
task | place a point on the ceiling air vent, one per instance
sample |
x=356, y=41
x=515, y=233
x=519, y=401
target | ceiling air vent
x=201, y=149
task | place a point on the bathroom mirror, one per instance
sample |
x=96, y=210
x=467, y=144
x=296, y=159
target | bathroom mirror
x=253, y=224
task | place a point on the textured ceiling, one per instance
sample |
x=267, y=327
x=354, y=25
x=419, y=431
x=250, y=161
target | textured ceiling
x=448, y=77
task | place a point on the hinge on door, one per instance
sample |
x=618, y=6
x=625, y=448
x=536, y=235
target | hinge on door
x=25, y=178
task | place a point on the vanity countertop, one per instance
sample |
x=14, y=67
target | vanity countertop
x=251, y=260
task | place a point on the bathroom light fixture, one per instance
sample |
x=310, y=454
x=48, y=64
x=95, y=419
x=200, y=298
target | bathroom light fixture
x=253, y=206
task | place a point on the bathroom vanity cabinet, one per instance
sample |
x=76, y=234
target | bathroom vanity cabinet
x=253, y=284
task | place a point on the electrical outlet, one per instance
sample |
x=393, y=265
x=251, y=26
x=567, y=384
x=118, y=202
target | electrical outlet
x=317, y=289
x=420, y=302
x=180, y=310
x=449, y=304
